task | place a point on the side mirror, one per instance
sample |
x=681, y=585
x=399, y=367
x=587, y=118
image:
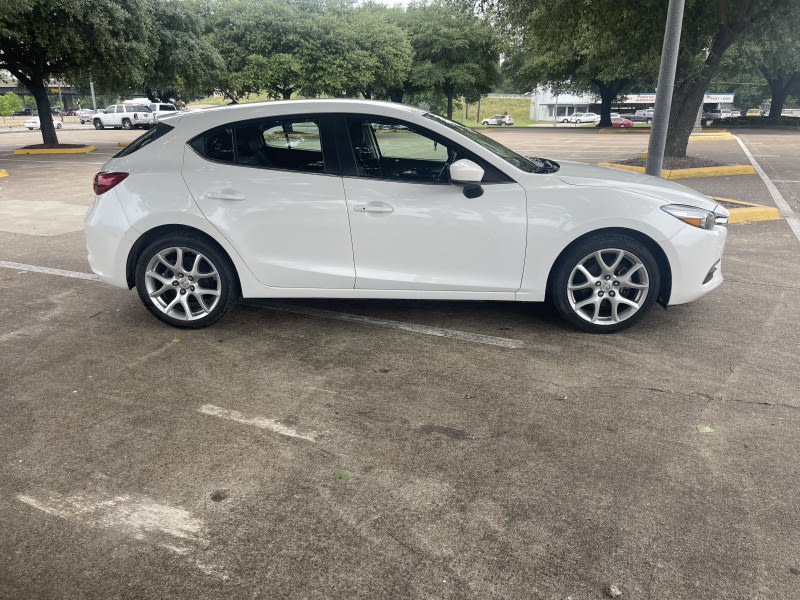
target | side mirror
x=466, y=172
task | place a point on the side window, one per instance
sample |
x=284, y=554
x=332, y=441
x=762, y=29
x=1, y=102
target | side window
x=393, y=150
x=273, y=144
x=299, y=135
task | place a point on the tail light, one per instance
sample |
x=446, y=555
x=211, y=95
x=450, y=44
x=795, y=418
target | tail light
x=105, y=181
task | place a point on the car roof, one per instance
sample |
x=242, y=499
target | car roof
x=198, y=120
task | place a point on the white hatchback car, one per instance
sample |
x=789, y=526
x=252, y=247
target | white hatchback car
x=359, y=199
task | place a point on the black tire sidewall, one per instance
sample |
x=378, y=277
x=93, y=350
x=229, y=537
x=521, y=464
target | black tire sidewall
x=575, y=254
x=229, y=292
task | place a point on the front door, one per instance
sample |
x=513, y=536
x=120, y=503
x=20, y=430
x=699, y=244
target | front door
x=413, y=230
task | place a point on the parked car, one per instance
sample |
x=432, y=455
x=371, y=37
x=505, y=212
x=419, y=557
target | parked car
x=644, y=115
x=86, y=115
x=162, y=109
x=712, y=114
x=33, y=123
x=72, y=112
x=125, y=116
x=498, y=120
x=753, y=112
x=587, y=117
x=790, y=112
x=380, y=200
x=25, y=112
x=618, y=121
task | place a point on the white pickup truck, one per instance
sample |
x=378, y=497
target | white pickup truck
x=126, y=116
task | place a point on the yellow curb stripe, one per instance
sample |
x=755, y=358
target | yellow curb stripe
x=122, y=144
x=3, y=173
x=81, y=150
x=749, y=212
x=689, y=173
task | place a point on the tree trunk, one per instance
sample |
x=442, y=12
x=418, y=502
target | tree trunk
x=39, y=92
x=450, y=105
x=608, y=92
x=778, y=99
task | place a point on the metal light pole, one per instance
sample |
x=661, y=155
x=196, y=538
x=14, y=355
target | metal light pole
x=666, y=81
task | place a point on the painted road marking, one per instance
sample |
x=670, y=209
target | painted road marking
x=329, y=314
x=786, y=211
x=48, y=271
x=138, y=516
x=423, y=329
x=260, y=422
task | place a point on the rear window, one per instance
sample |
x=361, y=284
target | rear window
x=136, y=108
x=152, y=135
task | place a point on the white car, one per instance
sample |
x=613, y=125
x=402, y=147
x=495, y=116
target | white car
x=587, y=117
x=33, y=123
x=498, y=120
x=359, y=199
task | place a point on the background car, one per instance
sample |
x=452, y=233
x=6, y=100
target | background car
x=33, y=123
x=753, y=112
x=587, y=117
x=618, y=121
x=498, y=120
x=85, y=115
x=125, y=116
x=358, y=199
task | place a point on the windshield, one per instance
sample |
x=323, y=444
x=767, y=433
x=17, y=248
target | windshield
x=529, y=165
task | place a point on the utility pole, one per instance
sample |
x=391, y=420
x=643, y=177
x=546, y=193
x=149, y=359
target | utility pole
x=666, y=81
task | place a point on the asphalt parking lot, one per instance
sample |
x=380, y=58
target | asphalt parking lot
x=387, y=449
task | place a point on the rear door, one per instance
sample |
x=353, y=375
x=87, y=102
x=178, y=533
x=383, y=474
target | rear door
x=270, y=189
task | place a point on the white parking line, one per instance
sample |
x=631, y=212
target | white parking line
x=48, y=271
x=783, y=207
x=260, y=422
x=424, y=329
x=454, y=334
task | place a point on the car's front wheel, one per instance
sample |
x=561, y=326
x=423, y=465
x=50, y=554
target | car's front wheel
x=98, y=124
x=186, y=282
x=605, y=283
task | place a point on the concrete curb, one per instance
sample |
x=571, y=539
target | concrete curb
x=80, y=150
x=749, y=212
x=690, y=173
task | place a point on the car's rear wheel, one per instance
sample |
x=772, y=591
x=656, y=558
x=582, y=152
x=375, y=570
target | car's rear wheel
x=186, y=282
x=126, y=124
x=605, y=283
x=98, y=124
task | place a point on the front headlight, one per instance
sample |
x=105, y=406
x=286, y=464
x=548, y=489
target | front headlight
x=697, y=217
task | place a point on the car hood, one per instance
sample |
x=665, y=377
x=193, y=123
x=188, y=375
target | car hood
x=578, y=174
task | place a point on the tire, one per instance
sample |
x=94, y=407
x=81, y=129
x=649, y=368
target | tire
x=186, y=282
x=126, y=124
x=98, y=124
x=59, y=125
x=648, y=121
x=622, y=126
x=605, y=283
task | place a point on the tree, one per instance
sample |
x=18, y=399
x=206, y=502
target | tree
x=577, y=47
x=614, y=32
x=455, y=52
x=771, y=52
x=183, y=62
x=45, y=39
x=709, y=29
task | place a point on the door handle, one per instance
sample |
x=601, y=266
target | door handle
x=374, y=207
x=234, y=196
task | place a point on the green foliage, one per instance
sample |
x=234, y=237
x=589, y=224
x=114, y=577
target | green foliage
x=283, y=46
x=455, y=52
x=9, y=102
